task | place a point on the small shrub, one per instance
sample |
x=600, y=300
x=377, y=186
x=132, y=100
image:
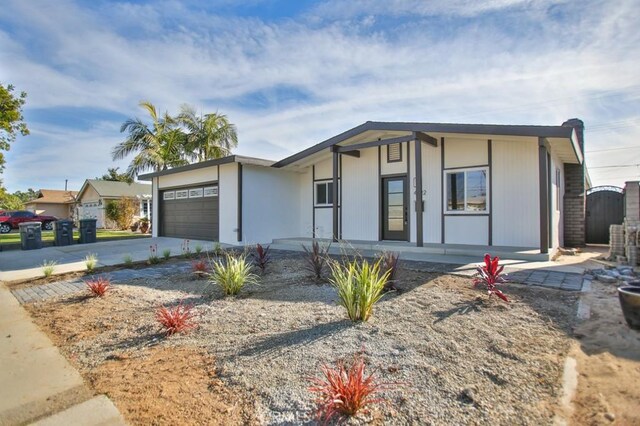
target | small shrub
x=177, y=319
x=166, y=254
x=198, y=249
x=360, y=285
x=261, y=257
x=345, y=390
x=199, y=267
x=490, y=275
x=153, y=255
x=316, y=258
x=99, y=286
x=232, y=273
x=217, y=249
x=48, y=266
x=128, y=260
x=390, y=264
x=90, y=261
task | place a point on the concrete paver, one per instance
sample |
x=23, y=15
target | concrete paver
x=35, y=379
x=96, y=411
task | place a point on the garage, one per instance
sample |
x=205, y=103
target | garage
x=191, y=212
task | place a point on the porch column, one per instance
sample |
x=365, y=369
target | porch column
x=419, y=203
x=335, y=194
x=544, y=196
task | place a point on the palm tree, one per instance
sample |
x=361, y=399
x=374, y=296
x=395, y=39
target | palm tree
x=158, y=147
x=208, y=137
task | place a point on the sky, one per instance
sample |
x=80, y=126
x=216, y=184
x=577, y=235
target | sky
x=290, y=74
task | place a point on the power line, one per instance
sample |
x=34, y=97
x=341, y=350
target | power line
x=613, y=149
x=611, y=167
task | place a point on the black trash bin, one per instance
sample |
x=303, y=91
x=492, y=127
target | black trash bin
x=87, y=231
x=63, y=232
x=31, y=235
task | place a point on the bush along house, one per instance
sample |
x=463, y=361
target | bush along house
x=432, y=187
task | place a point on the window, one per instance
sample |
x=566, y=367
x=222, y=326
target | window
x=145, y=208
x=466, y=190
x=324, y=193
x=394, y=153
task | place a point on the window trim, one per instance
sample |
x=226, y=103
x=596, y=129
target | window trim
x=325, y=182
x=400, y=144
x=465, y=212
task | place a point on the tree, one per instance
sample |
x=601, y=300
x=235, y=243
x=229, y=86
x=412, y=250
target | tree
x=209, y=136
x=27, y=195
x=158, y=147
x=9, y=201
x=122, y=211
x=115, y=176
x=11, y=120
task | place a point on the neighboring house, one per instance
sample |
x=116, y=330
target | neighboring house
x=53, y=202
x=433, y=185
x=95, y=193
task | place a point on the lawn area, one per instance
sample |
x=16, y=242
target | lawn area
x=450, y=354
x=101, y=234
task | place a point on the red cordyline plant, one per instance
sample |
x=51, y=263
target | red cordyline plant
x=316, y=258
x=389, y=264
x=345, y=390
x=261, y=257
x=176, y=319
x=490, y=276
x=199, y=266
x=99, y=286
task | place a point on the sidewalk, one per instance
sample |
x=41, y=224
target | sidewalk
x=36, y=381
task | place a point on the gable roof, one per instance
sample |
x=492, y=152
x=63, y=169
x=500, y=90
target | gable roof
x=112, y=189
x=475, y=129
x=54, y=196
x=216, y=162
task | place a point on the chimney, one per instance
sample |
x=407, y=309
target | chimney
x=578, y=125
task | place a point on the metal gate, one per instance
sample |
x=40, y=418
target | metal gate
x=605, y=207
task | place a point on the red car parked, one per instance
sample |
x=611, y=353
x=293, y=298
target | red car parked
x=11, y=220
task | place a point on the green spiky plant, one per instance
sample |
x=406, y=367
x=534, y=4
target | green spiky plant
x=360, y=286
x=48, y=266
x=90, y=261
x=166, y=254
x=232, y=273
x=128, y=260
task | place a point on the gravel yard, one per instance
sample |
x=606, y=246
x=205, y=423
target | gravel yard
x=457, y=357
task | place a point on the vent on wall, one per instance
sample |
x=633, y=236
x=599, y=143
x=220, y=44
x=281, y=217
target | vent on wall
x=394, y=153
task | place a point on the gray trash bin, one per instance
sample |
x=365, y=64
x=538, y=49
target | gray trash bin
x=31, y=235
x=87, y=231
x=63, y=232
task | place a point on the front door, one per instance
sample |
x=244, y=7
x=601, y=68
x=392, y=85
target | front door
x=395, y=213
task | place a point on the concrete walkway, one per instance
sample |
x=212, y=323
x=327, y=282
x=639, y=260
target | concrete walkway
x=18, y=265
x=36, y=381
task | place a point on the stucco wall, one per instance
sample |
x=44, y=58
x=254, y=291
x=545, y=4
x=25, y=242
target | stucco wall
x=360, y=196
x=207, y=174
x=268, y=199
x=228, y=193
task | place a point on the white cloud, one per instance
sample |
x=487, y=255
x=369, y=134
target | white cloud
x=535, y=68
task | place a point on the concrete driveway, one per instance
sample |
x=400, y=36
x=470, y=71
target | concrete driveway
x=18, y=265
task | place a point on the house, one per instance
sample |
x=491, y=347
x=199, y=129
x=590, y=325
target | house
x=430, y=185
x=53, y=202
x=95, y=194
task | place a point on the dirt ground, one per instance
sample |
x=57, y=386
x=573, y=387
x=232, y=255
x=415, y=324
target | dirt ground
x=455, y=355
x=608, y=356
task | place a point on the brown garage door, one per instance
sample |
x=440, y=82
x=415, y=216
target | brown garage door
x=190, y=213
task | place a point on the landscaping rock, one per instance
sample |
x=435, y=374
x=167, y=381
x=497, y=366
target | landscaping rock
x=607, y=279
x=610, y=416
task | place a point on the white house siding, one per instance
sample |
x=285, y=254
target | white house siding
x=155, y=207
x=516, y=209
x=557, y=193
x=191, y=177
x=360, y=196
x=394, y=168
x=267, y=198
x=466, y=229
x=432, y=185
x=305, y=204
x=228, y=203
x=323, y=215
x=463, y=152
